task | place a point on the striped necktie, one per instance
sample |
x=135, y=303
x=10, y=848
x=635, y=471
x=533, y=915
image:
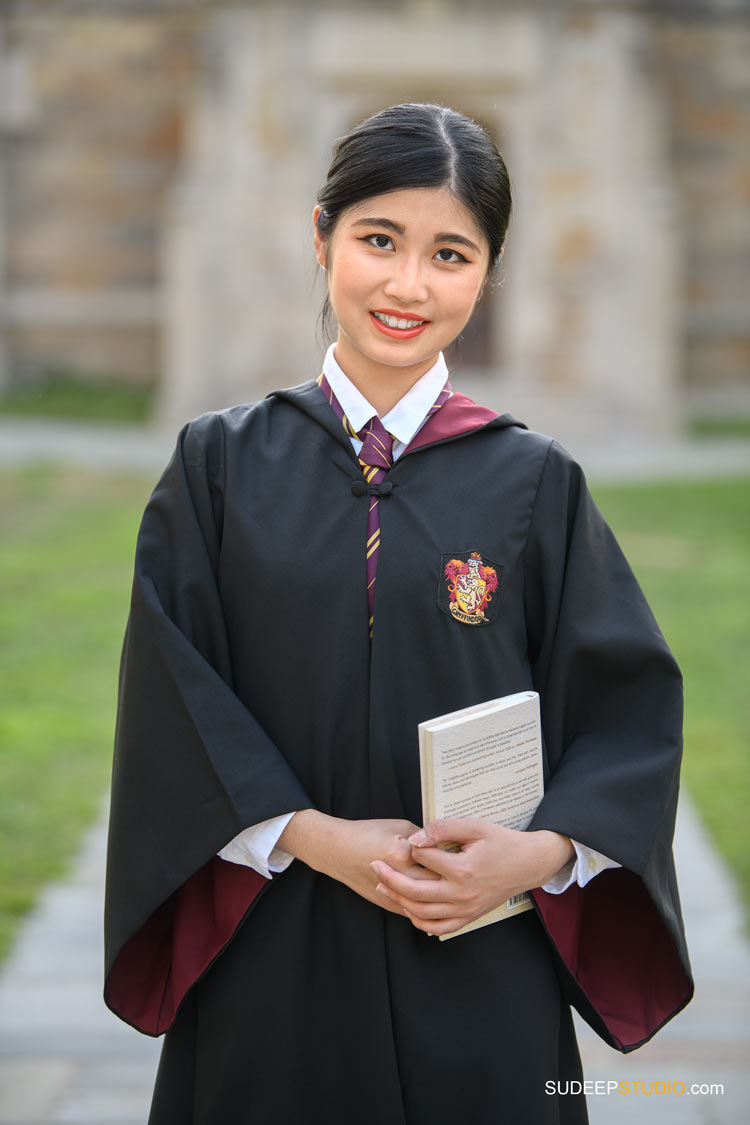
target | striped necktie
x=375, y=458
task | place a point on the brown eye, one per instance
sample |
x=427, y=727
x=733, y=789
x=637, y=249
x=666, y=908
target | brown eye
x=381, y=241
x=450, y=256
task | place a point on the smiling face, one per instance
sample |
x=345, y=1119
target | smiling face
x=405, y=270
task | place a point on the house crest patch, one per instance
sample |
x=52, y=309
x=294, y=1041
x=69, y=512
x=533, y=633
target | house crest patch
x=469, y=588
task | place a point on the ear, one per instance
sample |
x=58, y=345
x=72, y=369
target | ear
x=484, y=283
x=319, y=241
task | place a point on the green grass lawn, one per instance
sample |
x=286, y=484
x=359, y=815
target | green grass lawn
x=689, y=545
x=65, y=569
x=69, y=396
x=65, y=566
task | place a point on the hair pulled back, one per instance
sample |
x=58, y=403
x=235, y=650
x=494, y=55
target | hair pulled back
x=418, y=144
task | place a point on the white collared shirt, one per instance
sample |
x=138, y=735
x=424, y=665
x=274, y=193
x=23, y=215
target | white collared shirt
x=406, y=418
x=256, y=846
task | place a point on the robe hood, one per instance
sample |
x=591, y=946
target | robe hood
x=459, y=417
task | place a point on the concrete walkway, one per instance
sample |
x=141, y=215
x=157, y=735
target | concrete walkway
x=709, y=1042
x=65, y=1058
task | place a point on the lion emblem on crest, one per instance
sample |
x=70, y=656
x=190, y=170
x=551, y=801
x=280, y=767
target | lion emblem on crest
x=471, y=585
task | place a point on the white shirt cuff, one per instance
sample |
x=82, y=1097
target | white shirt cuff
x=586, y=864
x=256, y=847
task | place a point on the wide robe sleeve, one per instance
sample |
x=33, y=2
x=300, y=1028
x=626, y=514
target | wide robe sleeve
x=192, y=767
x=611, y=698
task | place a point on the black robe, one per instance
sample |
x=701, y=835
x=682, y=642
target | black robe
x=249, y=688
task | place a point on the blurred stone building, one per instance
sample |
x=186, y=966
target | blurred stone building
x=159, y=161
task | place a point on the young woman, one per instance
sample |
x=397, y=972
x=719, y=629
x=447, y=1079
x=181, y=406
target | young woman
x=273, y=900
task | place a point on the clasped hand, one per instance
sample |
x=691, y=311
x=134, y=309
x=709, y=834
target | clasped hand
x=345, y=849
x=494, y=863
x=398, y=866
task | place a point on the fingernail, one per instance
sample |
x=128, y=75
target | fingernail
x=383, y=890
x=375, y=868
x=418, y=839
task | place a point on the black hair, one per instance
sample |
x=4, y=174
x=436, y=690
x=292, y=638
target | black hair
x=418, y=144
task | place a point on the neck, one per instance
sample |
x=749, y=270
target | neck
x=381, y=384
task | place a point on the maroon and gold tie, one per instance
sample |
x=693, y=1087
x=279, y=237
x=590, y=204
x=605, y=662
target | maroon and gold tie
x=376, y=458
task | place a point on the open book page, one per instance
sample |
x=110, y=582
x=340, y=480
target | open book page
x=484, y=762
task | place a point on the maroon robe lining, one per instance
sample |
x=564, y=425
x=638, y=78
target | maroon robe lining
x=459, y=415
x=609, y=935
x=614, y=943
x=159, y=965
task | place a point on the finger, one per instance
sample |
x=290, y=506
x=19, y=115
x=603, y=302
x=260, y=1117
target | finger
x=430, y=909
x=439, y=831
x=435, y=929
x=426, y=911
x=405, y=828
x=390, y=905
x=413, y=870
x=418, y=890
x=444, y=864
x=398, y=856
x=417, y=871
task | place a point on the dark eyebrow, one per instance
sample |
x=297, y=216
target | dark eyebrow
x=459, y=238
x=444, y=236
x=387, y=223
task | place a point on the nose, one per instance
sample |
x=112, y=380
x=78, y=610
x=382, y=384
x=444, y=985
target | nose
x=407, y=285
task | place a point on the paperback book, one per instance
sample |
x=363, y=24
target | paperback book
x=485, y=763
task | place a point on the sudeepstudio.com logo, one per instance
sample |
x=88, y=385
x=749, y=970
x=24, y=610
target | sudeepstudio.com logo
x=655, y=1087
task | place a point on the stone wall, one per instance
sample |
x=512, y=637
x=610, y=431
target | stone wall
x=592, y=261
x=159, y=160
x=85, y=169
x=706, y=77
x=578, y=333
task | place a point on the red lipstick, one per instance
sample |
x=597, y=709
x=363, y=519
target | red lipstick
x=398, y=333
